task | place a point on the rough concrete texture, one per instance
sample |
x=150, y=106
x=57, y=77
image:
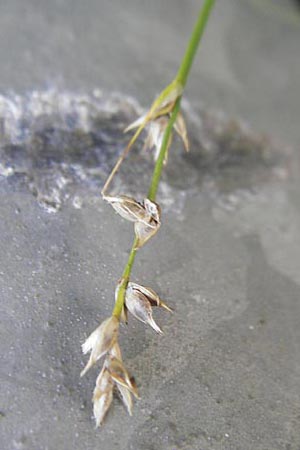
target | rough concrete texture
x=226, y=373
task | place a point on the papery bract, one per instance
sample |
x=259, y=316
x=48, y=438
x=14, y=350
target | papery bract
x=102, y=396
x=100, y=341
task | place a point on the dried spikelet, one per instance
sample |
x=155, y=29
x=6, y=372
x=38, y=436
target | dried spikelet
x=127, y=207
x=124, y=391
x=139, y=306
x=146, y=215
x=100, y=341
x=152, y=296
x=102, y=397
x=148, y=227
x=161, y=106
x=120, y=375
x=155, y=137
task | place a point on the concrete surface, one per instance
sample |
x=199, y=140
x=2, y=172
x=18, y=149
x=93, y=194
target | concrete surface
x=226, y=373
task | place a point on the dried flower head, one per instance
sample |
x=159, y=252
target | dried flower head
x=152, y=296
x=103, y=394
x=154, y=139
x=145, y=229
x=139, y=301
x=127, y=207
x=161, y=106
x=156, y=131
x=120, y=374
x=124, y=391
x=100, y=341
x=113, y=374
x=146, y=215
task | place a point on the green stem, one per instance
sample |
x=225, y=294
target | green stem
x=151, y=195
x=125, y=278
x=193, y=44
x=161, y=157
x=181, y=77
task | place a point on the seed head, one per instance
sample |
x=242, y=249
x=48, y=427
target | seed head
x=127, y=207
x=154, y=139
x=156, y=121
x=100, y=341
x=103, y=394
x=124, y=391
x=120, y=375
x=161, y=106
x=139, y=301
x=146, y=215
x=148, y=227
x=152, y=296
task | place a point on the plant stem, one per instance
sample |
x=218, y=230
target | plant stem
x=161, y=157
x=195, y=38
x=151, y=195
x=125, y=278
x=181, y=77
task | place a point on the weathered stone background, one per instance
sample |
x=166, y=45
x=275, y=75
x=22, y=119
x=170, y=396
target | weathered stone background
x=226, y=373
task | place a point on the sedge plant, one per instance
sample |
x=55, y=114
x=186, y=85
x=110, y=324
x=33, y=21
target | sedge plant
x=163, y=116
